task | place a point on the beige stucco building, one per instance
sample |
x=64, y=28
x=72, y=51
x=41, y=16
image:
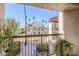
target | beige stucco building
x=69, y=16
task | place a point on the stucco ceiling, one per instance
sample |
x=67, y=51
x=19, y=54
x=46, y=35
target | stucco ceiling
x=55, y=6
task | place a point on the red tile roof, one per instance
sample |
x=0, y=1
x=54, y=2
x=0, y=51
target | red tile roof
x=54, y=19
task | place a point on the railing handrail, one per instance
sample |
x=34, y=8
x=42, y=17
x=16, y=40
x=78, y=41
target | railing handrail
x=34, y=35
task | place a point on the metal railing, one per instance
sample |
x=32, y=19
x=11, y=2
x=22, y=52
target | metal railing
x=29, y=48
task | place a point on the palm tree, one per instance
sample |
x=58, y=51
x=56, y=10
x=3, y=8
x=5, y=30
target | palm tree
x=34, y=18
x=42, y=21
x=45, y=21
x=29, y=19
x=42, y=24
x=28, y=23
x=34, y=27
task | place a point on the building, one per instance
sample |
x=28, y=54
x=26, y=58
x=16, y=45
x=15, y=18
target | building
x=54, y=23
x=69, y=16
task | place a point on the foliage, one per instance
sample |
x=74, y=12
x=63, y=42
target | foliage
x=21, y=30
x=34, y=17
x=42, y=47
x=5, y=38
x=12, y=26
x=63, y=48
x=29, y=25
x=13, y=49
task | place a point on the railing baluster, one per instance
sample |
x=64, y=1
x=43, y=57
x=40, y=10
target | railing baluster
x=31, y=46
x=22, y=46
x=31, y=41
x=28, y=47
x=41, y=40
x=18, y=40
x=25, y=43
x=36, y=44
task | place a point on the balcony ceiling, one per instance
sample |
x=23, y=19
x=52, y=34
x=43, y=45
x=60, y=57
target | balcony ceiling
x=55, y=6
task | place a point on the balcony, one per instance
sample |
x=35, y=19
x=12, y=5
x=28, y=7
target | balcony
x=30, y=42
x=69, y=22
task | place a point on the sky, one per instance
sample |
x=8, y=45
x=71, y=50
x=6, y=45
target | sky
x=16, y=11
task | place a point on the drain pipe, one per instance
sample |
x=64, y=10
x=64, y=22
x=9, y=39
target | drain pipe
x=25, y=24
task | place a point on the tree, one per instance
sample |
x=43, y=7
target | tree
x=42, y=21
x=45, y=21
x=8, y=30
x=34, y=18
x=22, y=30
x=29, y=20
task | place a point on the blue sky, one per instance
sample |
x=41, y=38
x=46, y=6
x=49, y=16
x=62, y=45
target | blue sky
x=13, y=10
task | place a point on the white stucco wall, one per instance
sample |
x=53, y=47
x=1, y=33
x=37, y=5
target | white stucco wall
x=50, y=42
x=60, y=24
x=71, y=28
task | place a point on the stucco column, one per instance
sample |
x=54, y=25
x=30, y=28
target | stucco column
x=2, y=10
x=2, y=14
x=60, y=24
x=50, y=40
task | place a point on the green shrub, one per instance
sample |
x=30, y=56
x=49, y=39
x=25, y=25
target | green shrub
x=13, y=49
x=63, y=48
x=7, y=44
x=42, y=47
